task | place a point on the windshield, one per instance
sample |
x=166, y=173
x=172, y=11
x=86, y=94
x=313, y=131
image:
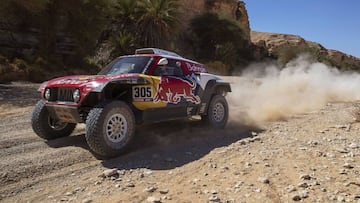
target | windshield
x=125, y=65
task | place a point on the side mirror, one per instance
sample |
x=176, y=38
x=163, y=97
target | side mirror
x=162, y=62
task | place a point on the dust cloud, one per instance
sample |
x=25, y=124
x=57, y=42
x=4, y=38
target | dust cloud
x=264, y=92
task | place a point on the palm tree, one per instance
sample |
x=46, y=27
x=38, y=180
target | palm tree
x=125, y=13
x=157, y=21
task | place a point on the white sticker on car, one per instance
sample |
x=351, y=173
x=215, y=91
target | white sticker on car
x=142, y=93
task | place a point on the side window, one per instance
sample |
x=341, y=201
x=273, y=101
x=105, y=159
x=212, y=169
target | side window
x=172, y=69
x=175, y=67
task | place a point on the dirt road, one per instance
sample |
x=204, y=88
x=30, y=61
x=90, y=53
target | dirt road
x=312, y=157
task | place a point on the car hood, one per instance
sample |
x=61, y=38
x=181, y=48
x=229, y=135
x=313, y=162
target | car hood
x=86, y=83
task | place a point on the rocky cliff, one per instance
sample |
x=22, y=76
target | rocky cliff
x=273, y=42
x=230, y=9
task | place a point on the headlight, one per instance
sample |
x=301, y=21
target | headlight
x=47, y=94
x=76, y=95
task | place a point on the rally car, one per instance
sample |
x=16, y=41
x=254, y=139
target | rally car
x=151, y=86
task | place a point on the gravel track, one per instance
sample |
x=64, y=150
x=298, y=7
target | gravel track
x=313, y=157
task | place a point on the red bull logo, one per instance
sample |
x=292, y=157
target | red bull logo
x=172, y=89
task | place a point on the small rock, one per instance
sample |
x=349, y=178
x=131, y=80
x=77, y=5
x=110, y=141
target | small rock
x=150, y=189
x=290, y=188
x=342, y=150
x=304, y=194
x=353, y=146
x=3, y=175
x=214, y=198
x=330, y=155
x=348, y=165
x=65, y=199
x=258, y=190
x=254, y=134
x=164, y=191
x=213, y=166
x=97, y=182
x=348, y=127
x=305, y=177
x=130, y=185
x=109, y=173
x=69, y=194
x=87, y=200
x=254, y=139
x=166, y=197
x=238, y=185
x=296, y=198
x=148, y=172
x=340, y=126
x=153, y=199
x=121, y=172
x=242, y=142
x=303, y=184
x=323, y=189
x=264, y=180
x=214, y=192
x=340, y=198
x=342, y=172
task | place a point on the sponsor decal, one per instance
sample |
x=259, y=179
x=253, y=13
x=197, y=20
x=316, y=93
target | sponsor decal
x=87, y=78
x=172, y=89
x=68, y=82
x=195, y=67
x=142, y=93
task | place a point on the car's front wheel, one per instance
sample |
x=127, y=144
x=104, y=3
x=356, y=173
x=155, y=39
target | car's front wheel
x=218, y=112
x=109, y=128
x=47, y=127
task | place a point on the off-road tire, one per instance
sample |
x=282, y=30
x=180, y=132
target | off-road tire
x=100, y=122
x=217, y=113
x=41, y=124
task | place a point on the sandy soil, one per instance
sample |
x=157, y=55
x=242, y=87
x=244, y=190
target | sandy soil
x=312, y=157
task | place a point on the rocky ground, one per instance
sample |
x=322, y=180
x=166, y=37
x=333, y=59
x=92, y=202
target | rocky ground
x=312, y=157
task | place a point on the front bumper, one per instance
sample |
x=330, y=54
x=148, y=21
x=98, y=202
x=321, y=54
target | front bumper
x=68, y=114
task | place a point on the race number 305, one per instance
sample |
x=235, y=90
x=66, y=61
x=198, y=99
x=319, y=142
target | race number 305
x=142, y=93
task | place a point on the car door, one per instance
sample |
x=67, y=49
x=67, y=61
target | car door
x=174, y=89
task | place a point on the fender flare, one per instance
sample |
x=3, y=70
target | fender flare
x=213, y=87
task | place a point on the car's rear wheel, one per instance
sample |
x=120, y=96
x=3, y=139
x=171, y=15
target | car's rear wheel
x=110, y=128
x=218, y=112
x=47, y=127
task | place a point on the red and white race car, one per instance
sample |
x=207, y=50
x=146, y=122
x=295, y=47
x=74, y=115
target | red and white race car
x=151, y=86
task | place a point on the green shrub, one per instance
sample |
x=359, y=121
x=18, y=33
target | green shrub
x=91, y=65
x=124, y=43
x=286, y=53
x=3, y=60
x=37, y=74
x=21, y=64
x=211, y=32
x=5, y=69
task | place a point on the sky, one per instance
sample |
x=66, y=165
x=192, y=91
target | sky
x=333, y=23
